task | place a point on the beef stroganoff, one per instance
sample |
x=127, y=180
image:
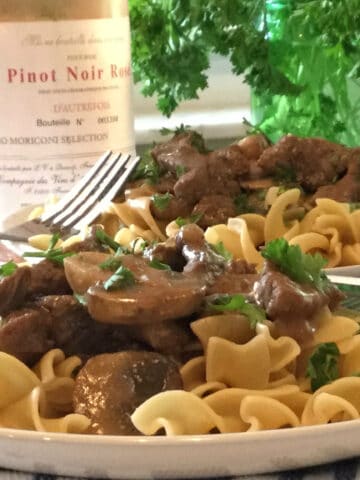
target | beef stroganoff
x=198, y=304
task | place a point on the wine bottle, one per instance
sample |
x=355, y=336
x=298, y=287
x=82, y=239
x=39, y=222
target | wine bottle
x=65, y=82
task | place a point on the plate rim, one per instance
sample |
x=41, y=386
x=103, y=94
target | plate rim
x=208, y=439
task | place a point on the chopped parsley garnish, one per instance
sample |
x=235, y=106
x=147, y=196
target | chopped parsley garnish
x=161, y=201
x=175, y=131
x=106, y=241
x=354, y=206
x=7, y=269
x=112, y=263
x=155, y=263
x=197, y=140
x=220, y=249
x=323, y=365
x=180, y=221
x=139, y=244
x=300, y=267
x=261, y=194
x=180, y=170
x=238, y=303
x=147, y=169
x=241, y=203
x=53, y=254
x=81, y=299
x=285, y=174
x=123, y=277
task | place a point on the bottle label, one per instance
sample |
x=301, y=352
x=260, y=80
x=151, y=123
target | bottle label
x=65, y=99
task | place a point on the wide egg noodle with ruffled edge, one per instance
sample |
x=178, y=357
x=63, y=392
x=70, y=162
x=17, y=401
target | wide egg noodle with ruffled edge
x=39, y=399
x=221, y=396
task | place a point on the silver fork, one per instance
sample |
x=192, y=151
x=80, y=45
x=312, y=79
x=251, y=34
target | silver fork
x=83, y=203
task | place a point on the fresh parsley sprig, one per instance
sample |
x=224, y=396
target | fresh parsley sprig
x=323, y=365
x=56, y=255
x=161, y=201
x=300, y=267
x=238, y=303
x=7, y=269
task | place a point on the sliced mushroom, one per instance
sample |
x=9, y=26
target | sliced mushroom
x=111, y=386
x=156, y=295
x=83, y=270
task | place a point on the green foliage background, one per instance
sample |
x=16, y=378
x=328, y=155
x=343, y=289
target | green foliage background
x=297, y=56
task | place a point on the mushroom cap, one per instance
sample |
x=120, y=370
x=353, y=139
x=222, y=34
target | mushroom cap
x=156, y=296
x=111, y=386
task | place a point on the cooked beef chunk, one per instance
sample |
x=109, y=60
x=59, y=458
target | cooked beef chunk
x=48, y=278
x=219, y=172
x=238, y=277
x=193, y=184
x=76, y=333
x=26, y=334
x=110, y=387
x=189, y=252
x=178, y=152
x=292, y=306
x=214, y=209
x=203, y=173
x=174, y=338
x=14, y=289
x=233, y=283
x=240, y=267
x=282, y=297
x=167, y=253
x=253, y=146
x=200, y=257
x=228, y=162
x=347, y=189
x=156, y=295
x=166, y=183
x=45, y=277
x=177, y=207
x=313, y=161
x=59, y=320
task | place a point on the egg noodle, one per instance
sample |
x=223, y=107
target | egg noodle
x=246, y=379
x=41, y=398
x=259, y=383
x=329, y=227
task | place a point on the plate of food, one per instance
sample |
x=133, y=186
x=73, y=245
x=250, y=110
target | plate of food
x=150, y=347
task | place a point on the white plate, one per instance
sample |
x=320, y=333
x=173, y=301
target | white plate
x=210, y=456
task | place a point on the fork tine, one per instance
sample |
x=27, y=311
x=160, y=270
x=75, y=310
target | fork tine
x=92, y=191
x=78, y=188
x=107, y=197
x=99, y=193
x=96, y=189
